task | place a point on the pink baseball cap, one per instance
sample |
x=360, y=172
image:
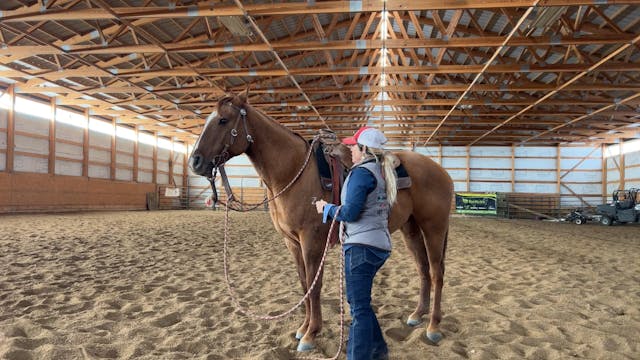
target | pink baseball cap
x=367, y=136
x=352, y=140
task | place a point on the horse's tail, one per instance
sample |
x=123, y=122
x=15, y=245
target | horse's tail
x=444, y=250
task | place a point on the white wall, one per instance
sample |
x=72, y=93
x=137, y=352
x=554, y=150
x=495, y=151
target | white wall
x=31, y=148
x=623, y=166
x=573, y=172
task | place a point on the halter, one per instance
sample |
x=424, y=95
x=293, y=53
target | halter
x=220, y=159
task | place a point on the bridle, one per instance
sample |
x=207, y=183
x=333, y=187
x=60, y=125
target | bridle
x=222, y=158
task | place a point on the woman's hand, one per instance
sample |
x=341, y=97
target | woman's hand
x=320, y=206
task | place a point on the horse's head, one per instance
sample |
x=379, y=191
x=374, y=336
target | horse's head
x=334, y=147
x=224, y=136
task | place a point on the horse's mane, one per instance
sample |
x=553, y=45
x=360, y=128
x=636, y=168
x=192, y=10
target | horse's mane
x=230, y=97
x=224, y=99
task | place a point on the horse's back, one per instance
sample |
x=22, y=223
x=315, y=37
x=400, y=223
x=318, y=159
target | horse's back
x=431, y=190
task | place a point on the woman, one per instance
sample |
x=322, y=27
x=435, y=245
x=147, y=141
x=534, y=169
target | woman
x=367, y=196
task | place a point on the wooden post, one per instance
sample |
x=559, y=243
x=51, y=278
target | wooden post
x=85, y=146
x=52, y=138
x=185, y=177
x=154, y=176
x=558, y=168
x=604, y=180
x=468, y=168
x=513, y=168
x=185, y=172
x=113, y=151
x=11, y=128
x=171, y=178
x=135, y=154
x=623, y=184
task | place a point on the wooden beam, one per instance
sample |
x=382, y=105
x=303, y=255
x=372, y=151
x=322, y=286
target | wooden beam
x=484, y=68
x=85, y=146
x=468, y=168
x=579, y=162
x=604, y=179
x=52, y=138
x=154, y=176
x=599, y=66
x=513, y=168
x=582, y=200
x=558, y=168
x=11, y=128
x=531, y=211
x=112, y=166
x=623, y=183
x=613, y=105
x=259, y=10
x=24, y=89
x=172, y=180
x=21, y=51
x=135, y=154
x=55, y=74
x=185, y=172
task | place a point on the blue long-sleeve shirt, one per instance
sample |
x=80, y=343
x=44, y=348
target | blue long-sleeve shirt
x=361, y=183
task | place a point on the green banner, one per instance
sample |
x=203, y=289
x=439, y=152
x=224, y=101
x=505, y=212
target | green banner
x=474, y=203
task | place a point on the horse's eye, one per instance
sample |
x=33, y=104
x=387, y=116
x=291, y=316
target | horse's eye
x=222, y=121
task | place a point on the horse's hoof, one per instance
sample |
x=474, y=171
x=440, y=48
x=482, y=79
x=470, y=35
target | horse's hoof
x=303, y=347
x=434, y=337
x=299, y=335
x=414, y=322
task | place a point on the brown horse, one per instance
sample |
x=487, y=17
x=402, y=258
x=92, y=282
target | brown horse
x=421, y=212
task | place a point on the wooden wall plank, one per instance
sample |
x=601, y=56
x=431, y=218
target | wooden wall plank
x=42, y=192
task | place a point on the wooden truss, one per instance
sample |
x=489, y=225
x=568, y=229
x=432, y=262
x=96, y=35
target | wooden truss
x=491, y=72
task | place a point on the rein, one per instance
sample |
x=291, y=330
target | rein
x=240, y=206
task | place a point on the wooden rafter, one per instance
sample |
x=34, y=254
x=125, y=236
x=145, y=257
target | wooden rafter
x=570, y=72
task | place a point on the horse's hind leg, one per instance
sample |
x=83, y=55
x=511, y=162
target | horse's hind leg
x=414, y=240
x=294, y=248
x=436, y=240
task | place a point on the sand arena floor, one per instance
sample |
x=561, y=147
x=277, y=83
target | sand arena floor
x=151, y=285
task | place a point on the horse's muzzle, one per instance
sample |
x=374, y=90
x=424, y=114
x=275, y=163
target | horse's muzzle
x=199, y=165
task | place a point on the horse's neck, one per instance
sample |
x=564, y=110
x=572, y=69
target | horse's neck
x=277, y=154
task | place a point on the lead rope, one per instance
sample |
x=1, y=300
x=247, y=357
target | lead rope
x=231, y=198
x=253, y=315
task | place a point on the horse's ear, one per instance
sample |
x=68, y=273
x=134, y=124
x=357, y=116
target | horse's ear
x=244, y=96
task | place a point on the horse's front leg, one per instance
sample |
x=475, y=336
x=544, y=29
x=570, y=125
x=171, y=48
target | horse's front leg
x=296, y=251
x=312, y=251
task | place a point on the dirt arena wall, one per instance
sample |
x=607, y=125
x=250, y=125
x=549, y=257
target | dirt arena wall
x=29, y=192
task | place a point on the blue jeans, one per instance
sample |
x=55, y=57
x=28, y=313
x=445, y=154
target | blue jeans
x=365, y=337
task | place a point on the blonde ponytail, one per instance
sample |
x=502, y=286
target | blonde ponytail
x=385, y=158
x=390, y=177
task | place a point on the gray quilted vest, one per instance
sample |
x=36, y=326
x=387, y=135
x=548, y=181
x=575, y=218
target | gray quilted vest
x=372, y=227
